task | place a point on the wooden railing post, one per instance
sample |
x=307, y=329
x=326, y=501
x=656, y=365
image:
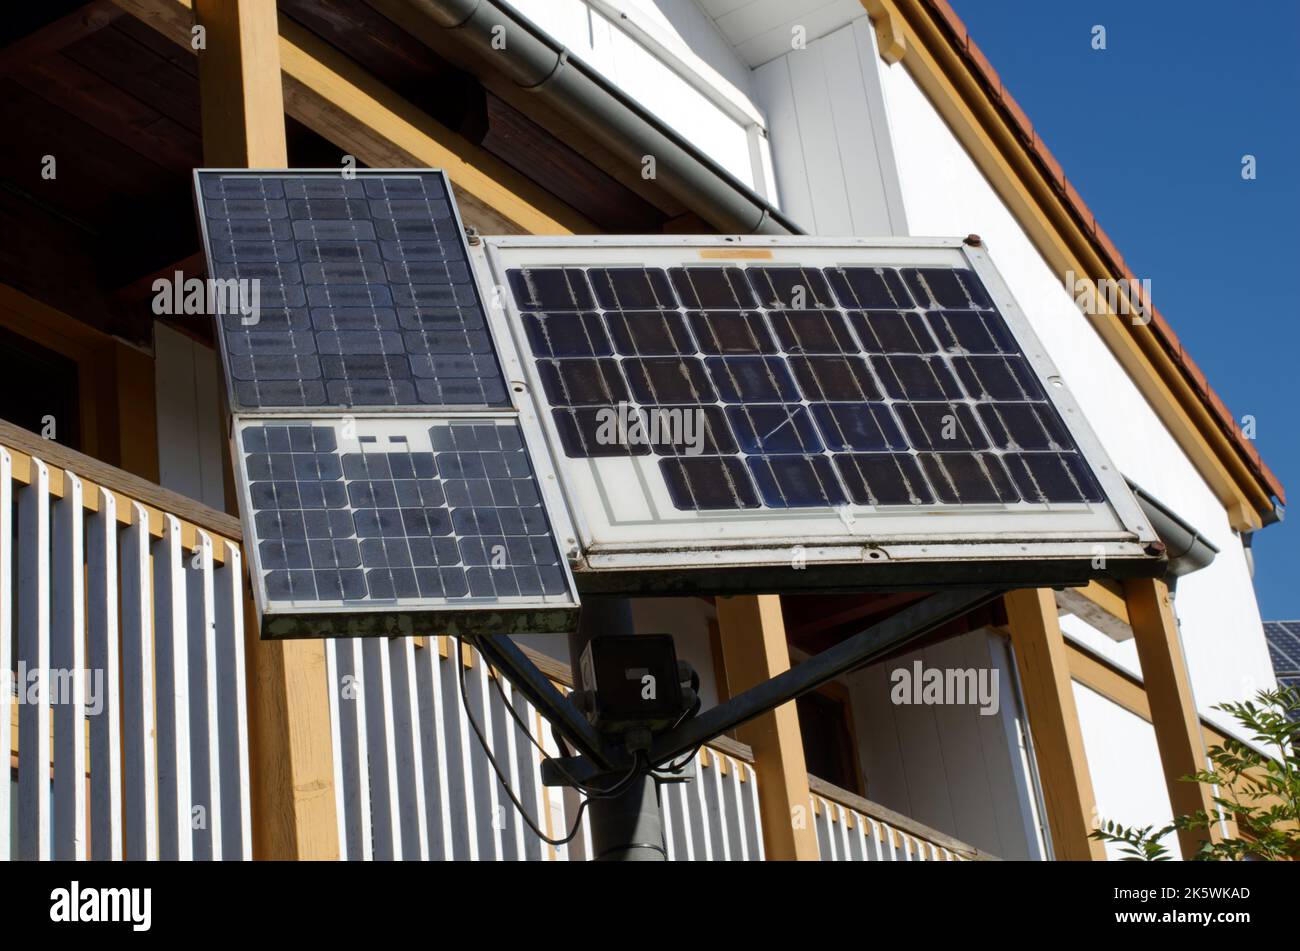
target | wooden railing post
x=754, y=650
x=1173, y=712
x=294, y=807
x=1054, y=722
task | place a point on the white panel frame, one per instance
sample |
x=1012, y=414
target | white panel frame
x=595, y=490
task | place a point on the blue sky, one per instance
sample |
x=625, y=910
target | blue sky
x=1151, y=131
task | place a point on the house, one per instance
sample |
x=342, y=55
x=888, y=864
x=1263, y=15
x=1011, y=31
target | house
x=121, y=560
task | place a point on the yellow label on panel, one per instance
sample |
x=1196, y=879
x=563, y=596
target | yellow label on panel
x=736, y=253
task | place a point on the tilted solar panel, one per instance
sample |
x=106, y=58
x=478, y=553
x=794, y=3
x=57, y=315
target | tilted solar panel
x=1283, y=645
x=400, y=512
x=701, y=397
x=365, y=297
x=385, y=483
x=927, y=402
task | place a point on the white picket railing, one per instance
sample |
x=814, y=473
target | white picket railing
x=131, y=608
x=413, y=782
x=851, y=829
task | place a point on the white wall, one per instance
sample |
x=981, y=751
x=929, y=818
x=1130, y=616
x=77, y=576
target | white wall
x=190, y=439
x=949, y=766
x=829, y=131
x=1124, y=762
x=945, y=194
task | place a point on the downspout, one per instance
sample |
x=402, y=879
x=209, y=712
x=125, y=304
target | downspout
x=498, y=44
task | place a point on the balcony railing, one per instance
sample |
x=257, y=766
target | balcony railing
x=128, y=728
x=413, y=781
x=128, y=603
x=853, y=829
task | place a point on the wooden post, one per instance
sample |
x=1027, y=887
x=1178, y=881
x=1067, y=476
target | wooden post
x=754, y=650
x=1054, y=723
x=292, y=766
x=242, y=98
x=1173, y=712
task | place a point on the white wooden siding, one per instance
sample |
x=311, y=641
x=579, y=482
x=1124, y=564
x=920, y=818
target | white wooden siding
x=761, y=30
x=191, y=445
x=830, y=135
x=947, y=766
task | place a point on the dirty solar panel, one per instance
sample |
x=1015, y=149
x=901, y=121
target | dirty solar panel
x=787, y=387
x=364, y=296
x=434, y=511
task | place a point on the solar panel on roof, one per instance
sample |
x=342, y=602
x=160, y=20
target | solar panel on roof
x=719, y=402
x=1283, y=639
x=366, y=297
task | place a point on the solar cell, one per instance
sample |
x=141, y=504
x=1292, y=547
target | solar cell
x=364, y=294
x=1283, y=645
x=359, y=513
x=874, y=386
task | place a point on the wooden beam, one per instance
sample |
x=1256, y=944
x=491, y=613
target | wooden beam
x=339, y=100
x=243, y=124
x=292, y=766
x=1044, y=668
x=136, y=398
x=1099, y=606
x=754, y=650
x=1173, y=710
x=889, y=31
x=55, y=35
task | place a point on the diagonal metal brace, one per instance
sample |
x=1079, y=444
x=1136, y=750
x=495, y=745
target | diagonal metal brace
x=859, y=649
x=502, y=652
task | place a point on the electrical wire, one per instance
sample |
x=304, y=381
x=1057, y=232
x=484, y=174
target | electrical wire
x=590, y=791
x=616, y=789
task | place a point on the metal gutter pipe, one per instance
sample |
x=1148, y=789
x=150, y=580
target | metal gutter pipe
x=1188, y=549
x=496, y=42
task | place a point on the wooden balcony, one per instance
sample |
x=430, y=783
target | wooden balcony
x=132, y=597
x=141, y=594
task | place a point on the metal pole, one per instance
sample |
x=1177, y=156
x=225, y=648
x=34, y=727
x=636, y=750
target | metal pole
x=628, y=827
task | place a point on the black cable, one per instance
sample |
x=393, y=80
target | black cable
x=501, y=776
x=591, y=792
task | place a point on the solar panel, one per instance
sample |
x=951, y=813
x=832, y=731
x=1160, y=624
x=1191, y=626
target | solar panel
x=385, y=481
x=396, y=512
x=1283, y=645
x=726, y=400
x=365, y=294
x=811, y=407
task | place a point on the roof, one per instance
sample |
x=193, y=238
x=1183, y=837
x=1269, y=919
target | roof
x=979, y=64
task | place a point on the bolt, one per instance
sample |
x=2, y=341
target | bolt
x=974, y=240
